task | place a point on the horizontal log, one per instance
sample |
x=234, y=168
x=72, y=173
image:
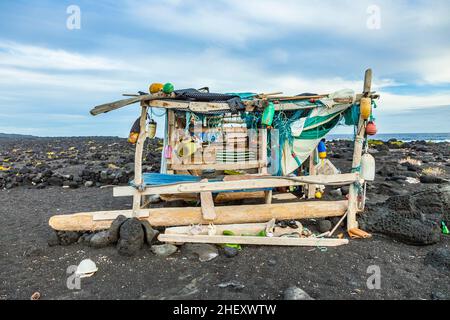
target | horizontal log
x=166, y=217
x=267, y=241
x=254, y=183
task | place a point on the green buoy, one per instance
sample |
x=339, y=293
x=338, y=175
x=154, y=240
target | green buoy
x=168, y=88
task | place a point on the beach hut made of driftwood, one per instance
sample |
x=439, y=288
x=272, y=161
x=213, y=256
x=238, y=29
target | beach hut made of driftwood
x=221, y=147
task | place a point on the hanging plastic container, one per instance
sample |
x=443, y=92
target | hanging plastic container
x=365, y=108
x=268, y=114
x=371, y=128
x=322, y=150
x=155, y=88
x=168, y=88
x=168, y=152
x=367, y=167
x=151, y=131
x=134, y=132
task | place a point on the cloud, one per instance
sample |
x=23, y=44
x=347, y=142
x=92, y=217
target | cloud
x=34, y=57
x=394, y=102
x=435, y=68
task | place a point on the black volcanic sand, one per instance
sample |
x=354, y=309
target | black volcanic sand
x=28, y=264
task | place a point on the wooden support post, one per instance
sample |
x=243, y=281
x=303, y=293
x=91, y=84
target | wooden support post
x=137, y=198
x=263, y=150
x=356, y=163
x=312, y=172
x=207, y=204
x=171, y=136
x=268, y=196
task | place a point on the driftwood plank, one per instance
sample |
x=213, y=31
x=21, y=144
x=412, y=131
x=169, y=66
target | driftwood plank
x=268, y=241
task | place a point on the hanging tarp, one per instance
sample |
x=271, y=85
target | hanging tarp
x=305, y=133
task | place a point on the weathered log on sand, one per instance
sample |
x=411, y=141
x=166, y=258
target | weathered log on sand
x=267, y=241
x=166, y=217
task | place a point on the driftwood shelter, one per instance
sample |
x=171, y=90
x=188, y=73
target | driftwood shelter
x=222, y=147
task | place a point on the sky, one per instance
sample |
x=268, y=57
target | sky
x=52, y=72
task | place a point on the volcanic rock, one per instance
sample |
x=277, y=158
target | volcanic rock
x=131, y=237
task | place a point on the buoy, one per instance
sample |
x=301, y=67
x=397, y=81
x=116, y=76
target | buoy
x=367, y=167
x=168, y=88
x=365, y=108
x=133, y=137
x=134, y=132
x=318, y=195
x=269, y=112
x=371, y=128
x=155, y=87
x=186, y=148
x=151, y=133
x=322, y=149
x=86, y=268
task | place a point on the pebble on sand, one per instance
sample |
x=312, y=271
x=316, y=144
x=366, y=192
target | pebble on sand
x=164, y=250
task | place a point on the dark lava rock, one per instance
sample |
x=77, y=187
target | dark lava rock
x=431, y=179
x=68, y=237
x=73, y=184
x=100, y=240
x=324, y=225
x=113, y=232
x=150, y=233
x=230, y=252
x=53, y=239
x=345, y=190
x=413, y=218
x=85, y=238
x=438, y=258
x=55, y=181
x=335, y=221
x=131, y=237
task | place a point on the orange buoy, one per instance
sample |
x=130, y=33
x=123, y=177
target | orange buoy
x=155, y=87
x=133, y=137
x=371, y=128
x=365, y=108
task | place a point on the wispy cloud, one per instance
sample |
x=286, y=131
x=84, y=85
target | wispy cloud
x=29, y=56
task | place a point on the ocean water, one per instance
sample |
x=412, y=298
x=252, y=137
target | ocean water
x=435, y=137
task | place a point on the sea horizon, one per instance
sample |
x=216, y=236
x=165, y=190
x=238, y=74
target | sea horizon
x=406, y=137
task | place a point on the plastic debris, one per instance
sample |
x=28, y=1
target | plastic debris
x=86, y=268
x=35, y=296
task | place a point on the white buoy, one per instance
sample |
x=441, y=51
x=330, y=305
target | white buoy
x=86, y=268
x=367, y=167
